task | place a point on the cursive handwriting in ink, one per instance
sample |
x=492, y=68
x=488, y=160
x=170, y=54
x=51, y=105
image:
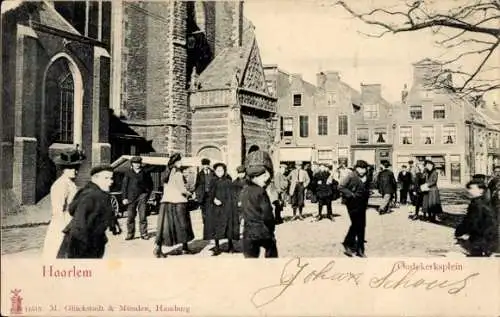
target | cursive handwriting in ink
x=286, y=281
x=290, y=276
x=395, y=279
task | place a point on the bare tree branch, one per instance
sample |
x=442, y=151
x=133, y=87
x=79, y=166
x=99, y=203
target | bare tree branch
x=470, y=20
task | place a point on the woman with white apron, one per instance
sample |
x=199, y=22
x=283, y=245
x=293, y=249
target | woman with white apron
x=62, y=193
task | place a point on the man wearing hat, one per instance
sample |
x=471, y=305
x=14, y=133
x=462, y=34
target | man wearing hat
x=387, y=186
x=299, y=180
x=92, y=215
x=203, y=185
x=62, y=193
x=355, y=190
x=136, y=188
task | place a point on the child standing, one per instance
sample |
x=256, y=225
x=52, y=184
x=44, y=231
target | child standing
x=259, y=221
x=222, y=218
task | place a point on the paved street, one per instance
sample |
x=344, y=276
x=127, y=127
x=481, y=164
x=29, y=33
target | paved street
x=387, y=235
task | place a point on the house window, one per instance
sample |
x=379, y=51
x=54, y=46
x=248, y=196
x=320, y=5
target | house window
x=406, y=135
x=370, y=111
x=427, y=135
x=449, y=135
x=416, y=112
x=438, y=112
x=362, y=136
x=64, y=123
x=322, y=125
x=304, y=126
x=325, y=156
x=287, y=126
x=297, y=100
x=380, y=135
x=343, y=126
x=331, y=99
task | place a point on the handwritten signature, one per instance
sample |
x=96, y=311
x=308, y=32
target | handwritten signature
x=297, y=271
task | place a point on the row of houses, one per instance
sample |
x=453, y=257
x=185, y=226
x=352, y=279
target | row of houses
x=332, y=122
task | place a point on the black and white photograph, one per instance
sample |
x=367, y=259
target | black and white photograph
x=171, y=131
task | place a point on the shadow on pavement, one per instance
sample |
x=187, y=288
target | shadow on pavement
x=195, y=247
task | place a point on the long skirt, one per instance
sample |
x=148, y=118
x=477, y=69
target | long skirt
x=54, y=236
x=174, y=225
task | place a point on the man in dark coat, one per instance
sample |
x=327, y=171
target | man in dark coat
x=405, y=182
x=413, y=170
x=323, y=185
x=136, y=188
x=356, y=192
x=203, y=186
x=494, y=194
x=479, y=222
x=92, y=215
x=386, y=186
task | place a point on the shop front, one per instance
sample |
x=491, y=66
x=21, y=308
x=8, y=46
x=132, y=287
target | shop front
x=292, y=154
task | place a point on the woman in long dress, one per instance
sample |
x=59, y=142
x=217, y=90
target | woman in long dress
x=174, y=221
x=62, y=193
x=222, y=218
x=431, y=204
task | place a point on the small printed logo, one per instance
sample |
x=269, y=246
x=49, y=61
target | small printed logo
x=16, y=302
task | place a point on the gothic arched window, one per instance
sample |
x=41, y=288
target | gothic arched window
x=64, y=123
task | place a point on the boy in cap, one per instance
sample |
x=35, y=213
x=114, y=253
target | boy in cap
x=92, y=215
x=299, y=180
x=356, y=191
x=136, y=188
x=259, y=221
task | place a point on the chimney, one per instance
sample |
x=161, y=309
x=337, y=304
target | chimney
x=332, y=76
x=426, y=72
x=371, y=92
x=404, y=94
x=321, y=80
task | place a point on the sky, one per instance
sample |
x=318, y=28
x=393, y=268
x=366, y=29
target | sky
x=306, y=37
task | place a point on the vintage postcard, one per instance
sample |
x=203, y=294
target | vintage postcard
x=250, y=158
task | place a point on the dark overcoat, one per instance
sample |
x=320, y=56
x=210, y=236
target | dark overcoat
x=222, y=221
x=432, y=199
x=324, y=190
x=92, y=216
x=480, y=224
x=203, y=185
x=386, y=182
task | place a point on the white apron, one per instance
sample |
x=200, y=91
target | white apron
x=62, y=193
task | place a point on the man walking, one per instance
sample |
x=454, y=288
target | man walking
x=203, y=185
x=386, y=186
x=136, y=188
x=299, y=180
x=355, y=191
x=405, y=181
x=92, y=215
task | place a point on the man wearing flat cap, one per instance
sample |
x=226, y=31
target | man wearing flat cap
x=355, y=190
x=136, y=188
x=203, y=186
x=92, y=214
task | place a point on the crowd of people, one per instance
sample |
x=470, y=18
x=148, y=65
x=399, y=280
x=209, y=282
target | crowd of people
x=249, y=207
